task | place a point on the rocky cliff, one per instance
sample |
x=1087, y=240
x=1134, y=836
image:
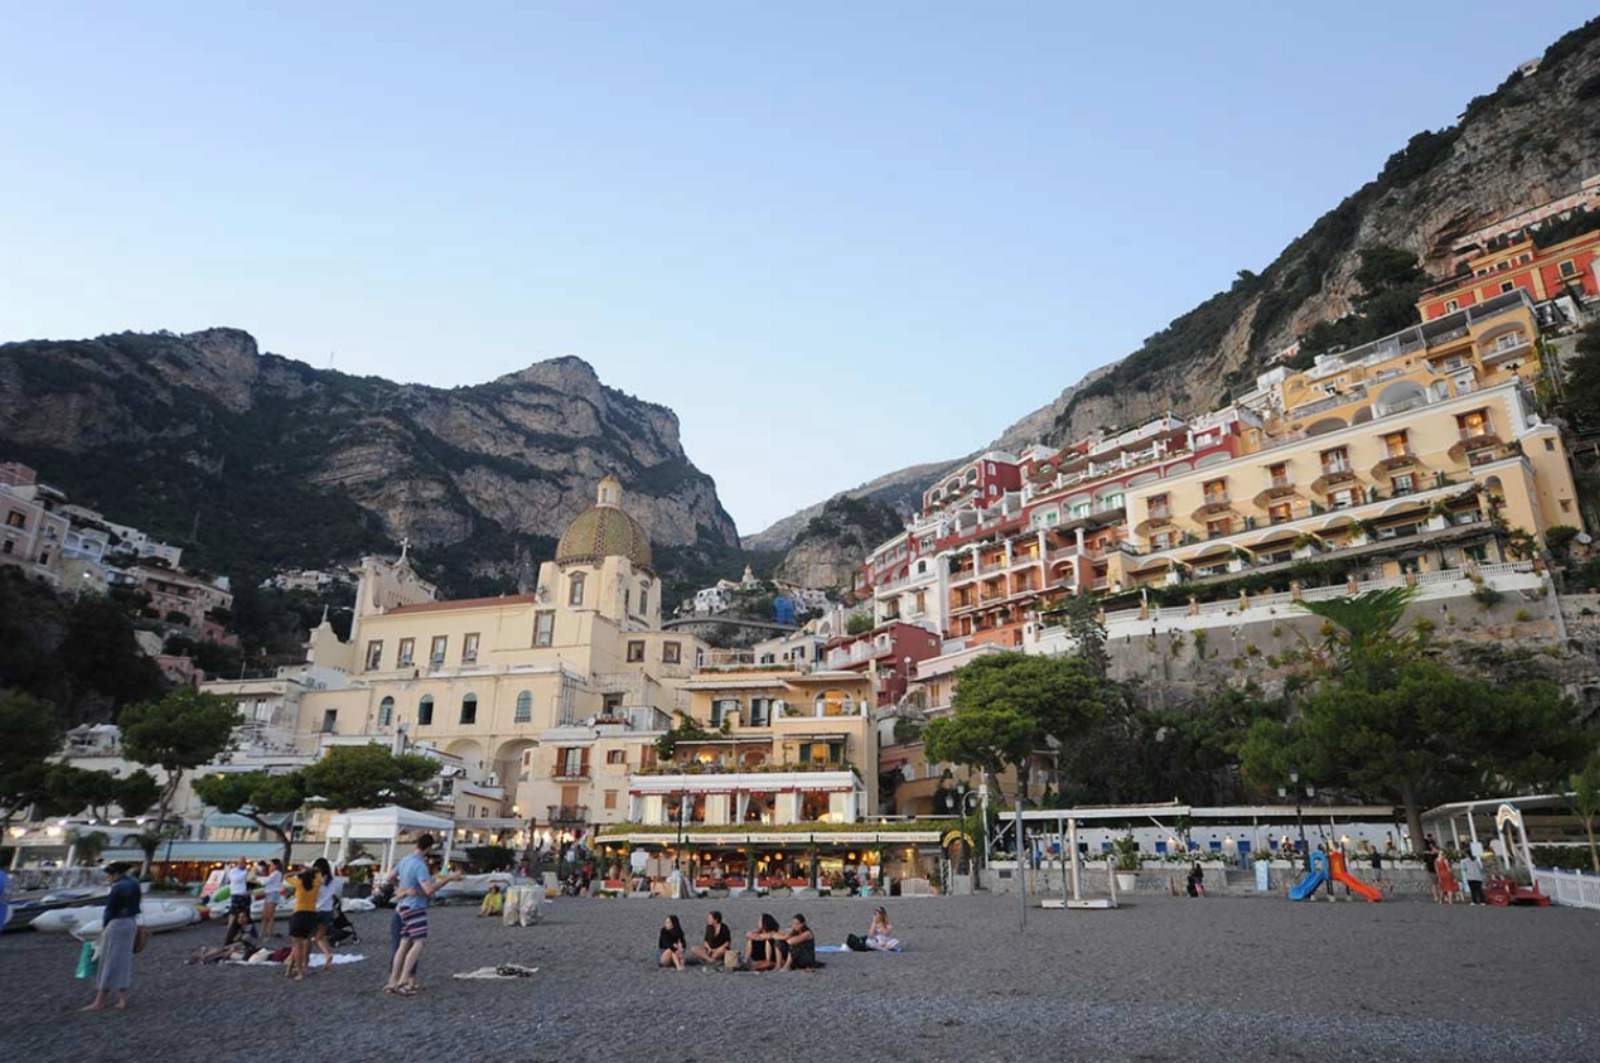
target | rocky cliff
x=1535, y=138
x=833, y=543
x=900, y=490
x=254, y=460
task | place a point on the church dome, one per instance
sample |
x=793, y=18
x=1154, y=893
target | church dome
x=604, y=530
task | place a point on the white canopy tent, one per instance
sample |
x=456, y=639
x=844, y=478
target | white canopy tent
x=387, y=825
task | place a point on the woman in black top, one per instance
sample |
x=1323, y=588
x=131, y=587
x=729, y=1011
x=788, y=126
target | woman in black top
x=765, y=948
x=718, y=940
x=802, y=946
x=119, y=927
x=670, y=942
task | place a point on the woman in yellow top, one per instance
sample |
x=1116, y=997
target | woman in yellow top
x=303, y=923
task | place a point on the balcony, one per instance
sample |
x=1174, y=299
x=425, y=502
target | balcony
x=568, y=813
x=568, y=774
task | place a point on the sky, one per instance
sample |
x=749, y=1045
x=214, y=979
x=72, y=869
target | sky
x=835, y=239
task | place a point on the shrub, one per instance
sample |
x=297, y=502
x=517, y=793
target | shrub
x=1486, y=596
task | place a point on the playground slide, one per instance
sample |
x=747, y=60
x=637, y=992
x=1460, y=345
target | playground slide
x=1342, y=874
x=1308, y=885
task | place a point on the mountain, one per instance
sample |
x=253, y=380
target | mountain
x=832, y=545
x=1535, y=138
x=900, y=490
x=254, y=461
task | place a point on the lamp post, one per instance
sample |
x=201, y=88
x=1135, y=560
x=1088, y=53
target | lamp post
x=1299, y=817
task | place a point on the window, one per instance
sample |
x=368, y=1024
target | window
x=425, y=711
x=611, y=799
x=671, y=652
x=7, y=546
x=760, y=712
x=1278, y=475
x=469, y=709
x=524, y=708
x=544, y=628
x=1566, y=505
x=1507, y=286
x=616, y=756
x=374, y=654
x=1395, y=445
x=1341, y=499
x=627, y=601
x=1216, y=491
x=1569, y=268
x=635, y=651
x=1280, y=513
x=330, y=721
x=1404, y=484
x=16, y=520
x=644, y=601
x=1335, y=461
x=385, y=712
x=436, y=654
x=1156, y=507
x=574, y=762
x=1451, y=306
x=575, y=589
x=1550, y=445
x=722, y=710
x=1215, y=529
x=408, y=650
x=469, y=648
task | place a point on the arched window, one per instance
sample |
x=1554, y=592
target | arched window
x=469, y=709
x=834, y=703
x=425, y=710
x=524, y=707
x=385, y=712
x=575, y=589
x=644, y=600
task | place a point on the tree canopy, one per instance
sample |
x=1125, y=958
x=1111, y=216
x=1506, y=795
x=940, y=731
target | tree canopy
x=268, y=800
x=368, y=776
x=30, y=731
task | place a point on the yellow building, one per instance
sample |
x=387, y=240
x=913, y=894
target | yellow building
x=770, y=745
x=1417, y=450
x=546, y=701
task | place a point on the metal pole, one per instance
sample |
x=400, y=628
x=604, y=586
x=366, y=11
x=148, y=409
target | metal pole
x=1022, y=882
x=1305, y=853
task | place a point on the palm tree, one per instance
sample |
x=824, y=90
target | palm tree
x=1366, y=624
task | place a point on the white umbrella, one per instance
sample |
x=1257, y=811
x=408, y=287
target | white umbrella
x=362, y=861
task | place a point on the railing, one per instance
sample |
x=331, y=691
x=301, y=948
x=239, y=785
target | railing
x=1216, y=498
x=1279, y=481
x=1468, y=434
x=560, y=772
x=1329, y=403
x=569, y=813
x=1158, y=513
x=1336, y=468
x=1574, y=889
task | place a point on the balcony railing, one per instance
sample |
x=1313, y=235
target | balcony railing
x=563, y=772
x=1216, y=498
x=1158, y=513
x=1336, y=468
x=569, y=813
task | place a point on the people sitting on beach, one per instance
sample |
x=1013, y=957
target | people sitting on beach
x=717, y=944
x=765, y=947
x=800, y=952
x=239, y=948
x=880, y=935
x=494, y=902
x=671, y=943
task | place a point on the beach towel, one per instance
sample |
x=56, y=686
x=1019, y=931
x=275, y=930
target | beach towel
x=833, y=948
x=504, y=972
x=339, y=960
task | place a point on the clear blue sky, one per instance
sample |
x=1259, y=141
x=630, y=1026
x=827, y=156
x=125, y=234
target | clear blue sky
x=836, y=240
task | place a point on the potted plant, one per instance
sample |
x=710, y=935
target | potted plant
x=1126, y=852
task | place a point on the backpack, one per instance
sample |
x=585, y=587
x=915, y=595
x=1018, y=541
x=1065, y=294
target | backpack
x=856, y=943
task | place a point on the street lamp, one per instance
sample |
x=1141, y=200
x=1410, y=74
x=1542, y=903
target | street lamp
x=1299, y=818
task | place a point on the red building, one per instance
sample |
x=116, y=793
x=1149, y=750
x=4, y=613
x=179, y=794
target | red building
x=1569, y=267
x=890, y=652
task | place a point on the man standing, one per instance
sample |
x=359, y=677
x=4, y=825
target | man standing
x=1472, y=875
x=237, y=879
x=415, y=885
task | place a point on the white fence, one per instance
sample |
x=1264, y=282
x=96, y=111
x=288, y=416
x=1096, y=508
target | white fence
x=1572, y=888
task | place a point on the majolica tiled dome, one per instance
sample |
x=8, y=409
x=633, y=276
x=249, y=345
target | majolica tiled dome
x=603, y=530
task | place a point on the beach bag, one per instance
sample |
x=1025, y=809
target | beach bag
x=856, y=943
x=141, y=938
x=88, y=966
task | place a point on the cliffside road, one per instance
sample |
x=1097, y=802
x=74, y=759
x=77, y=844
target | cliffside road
x=1165, y=979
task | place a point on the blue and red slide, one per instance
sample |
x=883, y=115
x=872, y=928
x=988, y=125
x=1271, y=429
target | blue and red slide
x=1326, y=869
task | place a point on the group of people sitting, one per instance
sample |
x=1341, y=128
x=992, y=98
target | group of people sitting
x=768, y=947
